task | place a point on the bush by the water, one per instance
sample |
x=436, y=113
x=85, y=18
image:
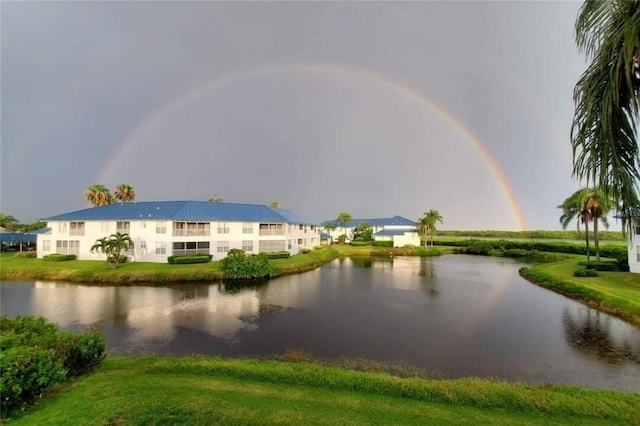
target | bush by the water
x=34, y=356
x=520, y=253
x=237, y=265
x=189, y=259
x=585, y=272
x=382, y=243
x=277, y=255
x=57, y=257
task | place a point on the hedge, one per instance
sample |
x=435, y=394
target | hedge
x=382, y=243
x=601, y=266
x=277, y=255
x=57, y=257
x=189, y=259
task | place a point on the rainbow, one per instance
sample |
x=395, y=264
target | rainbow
x=235, y=76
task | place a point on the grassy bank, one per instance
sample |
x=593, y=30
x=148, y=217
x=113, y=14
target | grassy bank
x=231, y=391
x=617, y=293
x=13, y=267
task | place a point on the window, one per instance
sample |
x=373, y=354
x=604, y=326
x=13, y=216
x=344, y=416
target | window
x=76, y=228
x=46, y=245
x=247, y=228
x=300, y=227
x=223, y=246
x=271, y=245
x=143, y=245
x=62, y=227
x=223, y=228
x=105, y=227
x=299, y=241
x=247, y=245
x=161, y=247
x=289, y=245
x=638, y=253
x=68, y=247
x=271, y=229
x=123, y=227
x=161, y=227
x=638, y=230
x=190, y=248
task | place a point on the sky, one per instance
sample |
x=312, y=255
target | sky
x=371, y=108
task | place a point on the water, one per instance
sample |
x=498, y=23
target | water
x=452, y=315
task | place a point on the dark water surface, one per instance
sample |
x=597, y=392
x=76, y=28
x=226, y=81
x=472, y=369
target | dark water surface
x=453, y=315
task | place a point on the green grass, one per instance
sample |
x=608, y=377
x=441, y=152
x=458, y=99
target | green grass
x=198, y=391
x=617, y=293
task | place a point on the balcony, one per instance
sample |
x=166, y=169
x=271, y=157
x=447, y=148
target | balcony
x=191, y=232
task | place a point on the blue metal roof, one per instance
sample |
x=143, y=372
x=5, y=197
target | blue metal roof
x=203, y=211
x=384, y=221
x=10, y=237
x=392, y=232
x=324, y=235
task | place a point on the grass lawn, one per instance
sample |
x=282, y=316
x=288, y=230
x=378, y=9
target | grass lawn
x=200, y=391
x=617, y=293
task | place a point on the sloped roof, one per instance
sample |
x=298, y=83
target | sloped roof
x=383, y=221
x=11, y=237
x=392, y=232
x=185, y=211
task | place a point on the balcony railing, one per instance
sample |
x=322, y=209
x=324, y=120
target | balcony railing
x=189, y=252
x=76, y=232
x=191, y=232
x=271, y=232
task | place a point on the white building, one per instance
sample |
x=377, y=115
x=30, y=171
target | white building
x=165, y=228
x=398, y=229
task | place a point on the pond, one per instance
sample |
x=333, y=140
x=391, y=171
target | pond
x=452, y=315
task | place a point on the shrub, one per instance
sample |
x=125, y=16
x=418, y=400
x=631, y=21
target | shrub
x=601, y=266
x=277, y=255
x=189, y=259
x=382, y=243
x=342, y=239
x=34, y=355
x=26, y=254
x=583, y=272
x=478, y=248
x=304, y=251
x=57, y=257
x=237, y=265
x=519, y=253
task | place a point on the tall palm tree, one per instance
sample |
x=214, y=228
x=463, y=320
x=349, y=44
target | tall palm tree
x=99, y=195
x=125, y=193
x=344, y=218
x=598, y=203
x=423, y=229
x=275, y=205
x=604, y=134
x=432, y=217
x=574, y=208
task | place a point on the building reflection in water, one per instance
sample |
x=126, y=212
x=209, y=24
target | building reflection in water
x=601, y=336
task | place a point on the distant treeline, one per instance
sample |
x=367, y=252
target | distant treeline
x=551, y=235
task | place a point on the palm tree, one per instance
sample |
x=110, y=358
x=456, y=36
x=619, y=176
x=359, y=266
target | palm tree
x=587, y=204
x=99, y=195
x=344, y=218
x=125, y=193
x=423, y=229
x=604, y=134
x=101, y=245
x=275, y=205
x=432, y=217
x=117, y=244
x=215, y=199
x=574, y=208
x=8, y=222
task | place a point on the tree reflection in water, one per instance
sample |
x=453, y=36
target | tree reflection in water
x=590, y=332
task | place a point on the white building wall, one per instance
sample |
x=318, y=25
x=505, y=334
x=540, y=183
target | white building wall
x=153, y=245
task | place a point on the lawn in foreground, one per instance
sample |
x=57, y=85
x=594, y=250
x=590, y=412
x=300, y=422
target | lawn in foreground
x=232, y=391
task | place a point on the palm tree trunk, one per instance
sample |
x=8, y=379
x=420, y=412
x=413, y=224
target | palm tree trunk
x=586, y=236
x=595, y=237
